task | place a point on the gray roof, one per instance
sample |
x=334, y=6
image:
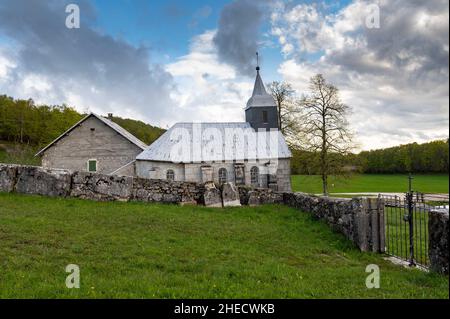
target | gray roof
x=130, y=137
x=260, y=97
x=215, y=144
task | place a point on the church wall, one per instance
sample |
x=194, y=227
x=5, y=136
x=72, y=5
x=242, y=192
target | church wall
x=193, y=172
x=158, y=170
x=284, y=175
x=109, y=148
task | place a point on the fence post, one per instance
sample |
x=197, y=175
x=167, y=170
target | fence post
x=382, y=225
x=370, y=225
x=362, y=223
x=376, y=213
x=410, y=217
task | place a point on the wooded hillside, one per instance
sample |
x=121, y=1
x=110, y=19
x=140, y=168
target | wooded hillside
x=21, y=121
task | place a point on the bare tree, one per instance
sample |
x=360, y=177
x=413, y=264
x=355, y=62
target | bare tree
x=325, y=130
x=287, y=109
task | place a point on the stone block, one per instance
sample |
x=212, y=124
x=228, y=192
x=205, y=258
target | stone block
x=253, y=199
x=41, y=181
x=8, y=175
x=438, y=241
x=212, y=196
x=101, y=187
x=230, y=195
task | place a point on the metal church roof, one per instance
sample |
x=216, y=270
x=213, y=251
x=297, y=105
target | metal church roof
x=260, y=97
x=206, y=142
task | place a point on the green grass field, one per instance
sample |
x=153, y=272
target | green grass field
x=371, y=183
x=140, y=250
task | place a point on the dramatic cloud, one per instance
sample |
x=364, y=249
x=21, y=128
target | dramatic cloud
x=238, y=34
x=395, y=77
x=207, y=87
x=43, y=59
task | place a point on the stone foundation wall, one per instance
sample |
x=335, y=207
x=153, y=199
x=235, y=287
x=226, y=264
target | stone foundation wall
x=150, y=190
x=95, y=186
x=259, y=196
x=438, y=244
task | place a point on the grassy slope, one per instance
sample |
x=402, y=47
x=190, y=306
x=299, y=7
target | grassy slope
x=372, y=183
x=142, y=250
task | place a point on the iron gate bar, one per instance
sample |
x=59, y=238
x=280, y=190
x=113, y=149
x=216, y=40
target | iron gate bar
x=406, y=227
x=409, y=197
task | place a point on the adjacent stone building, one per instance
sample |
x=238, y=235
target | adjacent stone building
x=94, y=144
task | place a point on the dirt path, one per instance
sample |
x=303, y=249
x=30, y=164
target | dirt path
x=427, y=197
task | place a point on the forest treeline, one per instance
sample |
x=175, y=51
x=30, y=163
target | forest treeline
x=431, y=157
x=21, y=121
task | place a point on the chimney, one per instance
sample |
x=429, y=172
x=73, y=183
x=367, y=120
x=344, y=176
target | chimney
x=110, y=115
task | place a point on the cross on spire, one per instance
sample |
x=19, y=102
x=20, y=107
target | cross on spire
x=257, y=61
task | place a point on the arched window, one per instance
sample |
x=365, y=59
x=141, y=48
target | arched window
x=170, y=175
x=222, y=175
x=254, y=176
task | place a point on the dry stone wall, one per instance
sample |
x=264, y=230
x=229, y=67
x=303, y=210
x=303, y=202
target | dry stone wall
x=153, y=190
x=101, y=187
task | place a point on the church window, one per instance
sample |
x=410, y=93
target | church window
x=170, y=175
x=254, y=176
x=265, y=117
x=222, y=175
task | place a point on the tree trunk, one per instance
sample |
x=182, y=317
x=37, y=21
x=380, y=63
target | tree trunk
x=324, y=157
x=325, y=184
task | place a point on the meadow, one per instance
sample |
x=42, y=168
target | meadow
x=361, y=183
x=138, y=250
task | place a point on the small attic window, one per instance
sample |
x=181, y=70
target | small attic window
x=92, y=129
x=92, y=165
x=264, y=116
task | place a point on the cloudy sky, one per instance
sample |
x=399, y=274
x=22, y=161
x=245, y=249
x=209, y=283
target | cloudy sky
x=169, y=61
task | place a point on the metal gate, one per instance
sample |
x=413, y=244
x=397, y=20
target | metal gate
x=406, y=227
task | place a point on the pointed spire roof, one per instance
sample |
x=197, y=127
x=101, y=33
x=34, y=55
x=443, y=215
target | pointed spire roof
x=260, y=97
x=259, y=88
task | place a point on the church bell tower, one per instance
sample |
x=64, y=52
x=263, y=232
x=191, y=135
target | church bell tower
x=261, y=111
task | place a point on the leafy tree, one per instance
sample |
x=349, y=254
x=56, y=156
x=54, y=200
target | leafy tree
x=324, y=127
